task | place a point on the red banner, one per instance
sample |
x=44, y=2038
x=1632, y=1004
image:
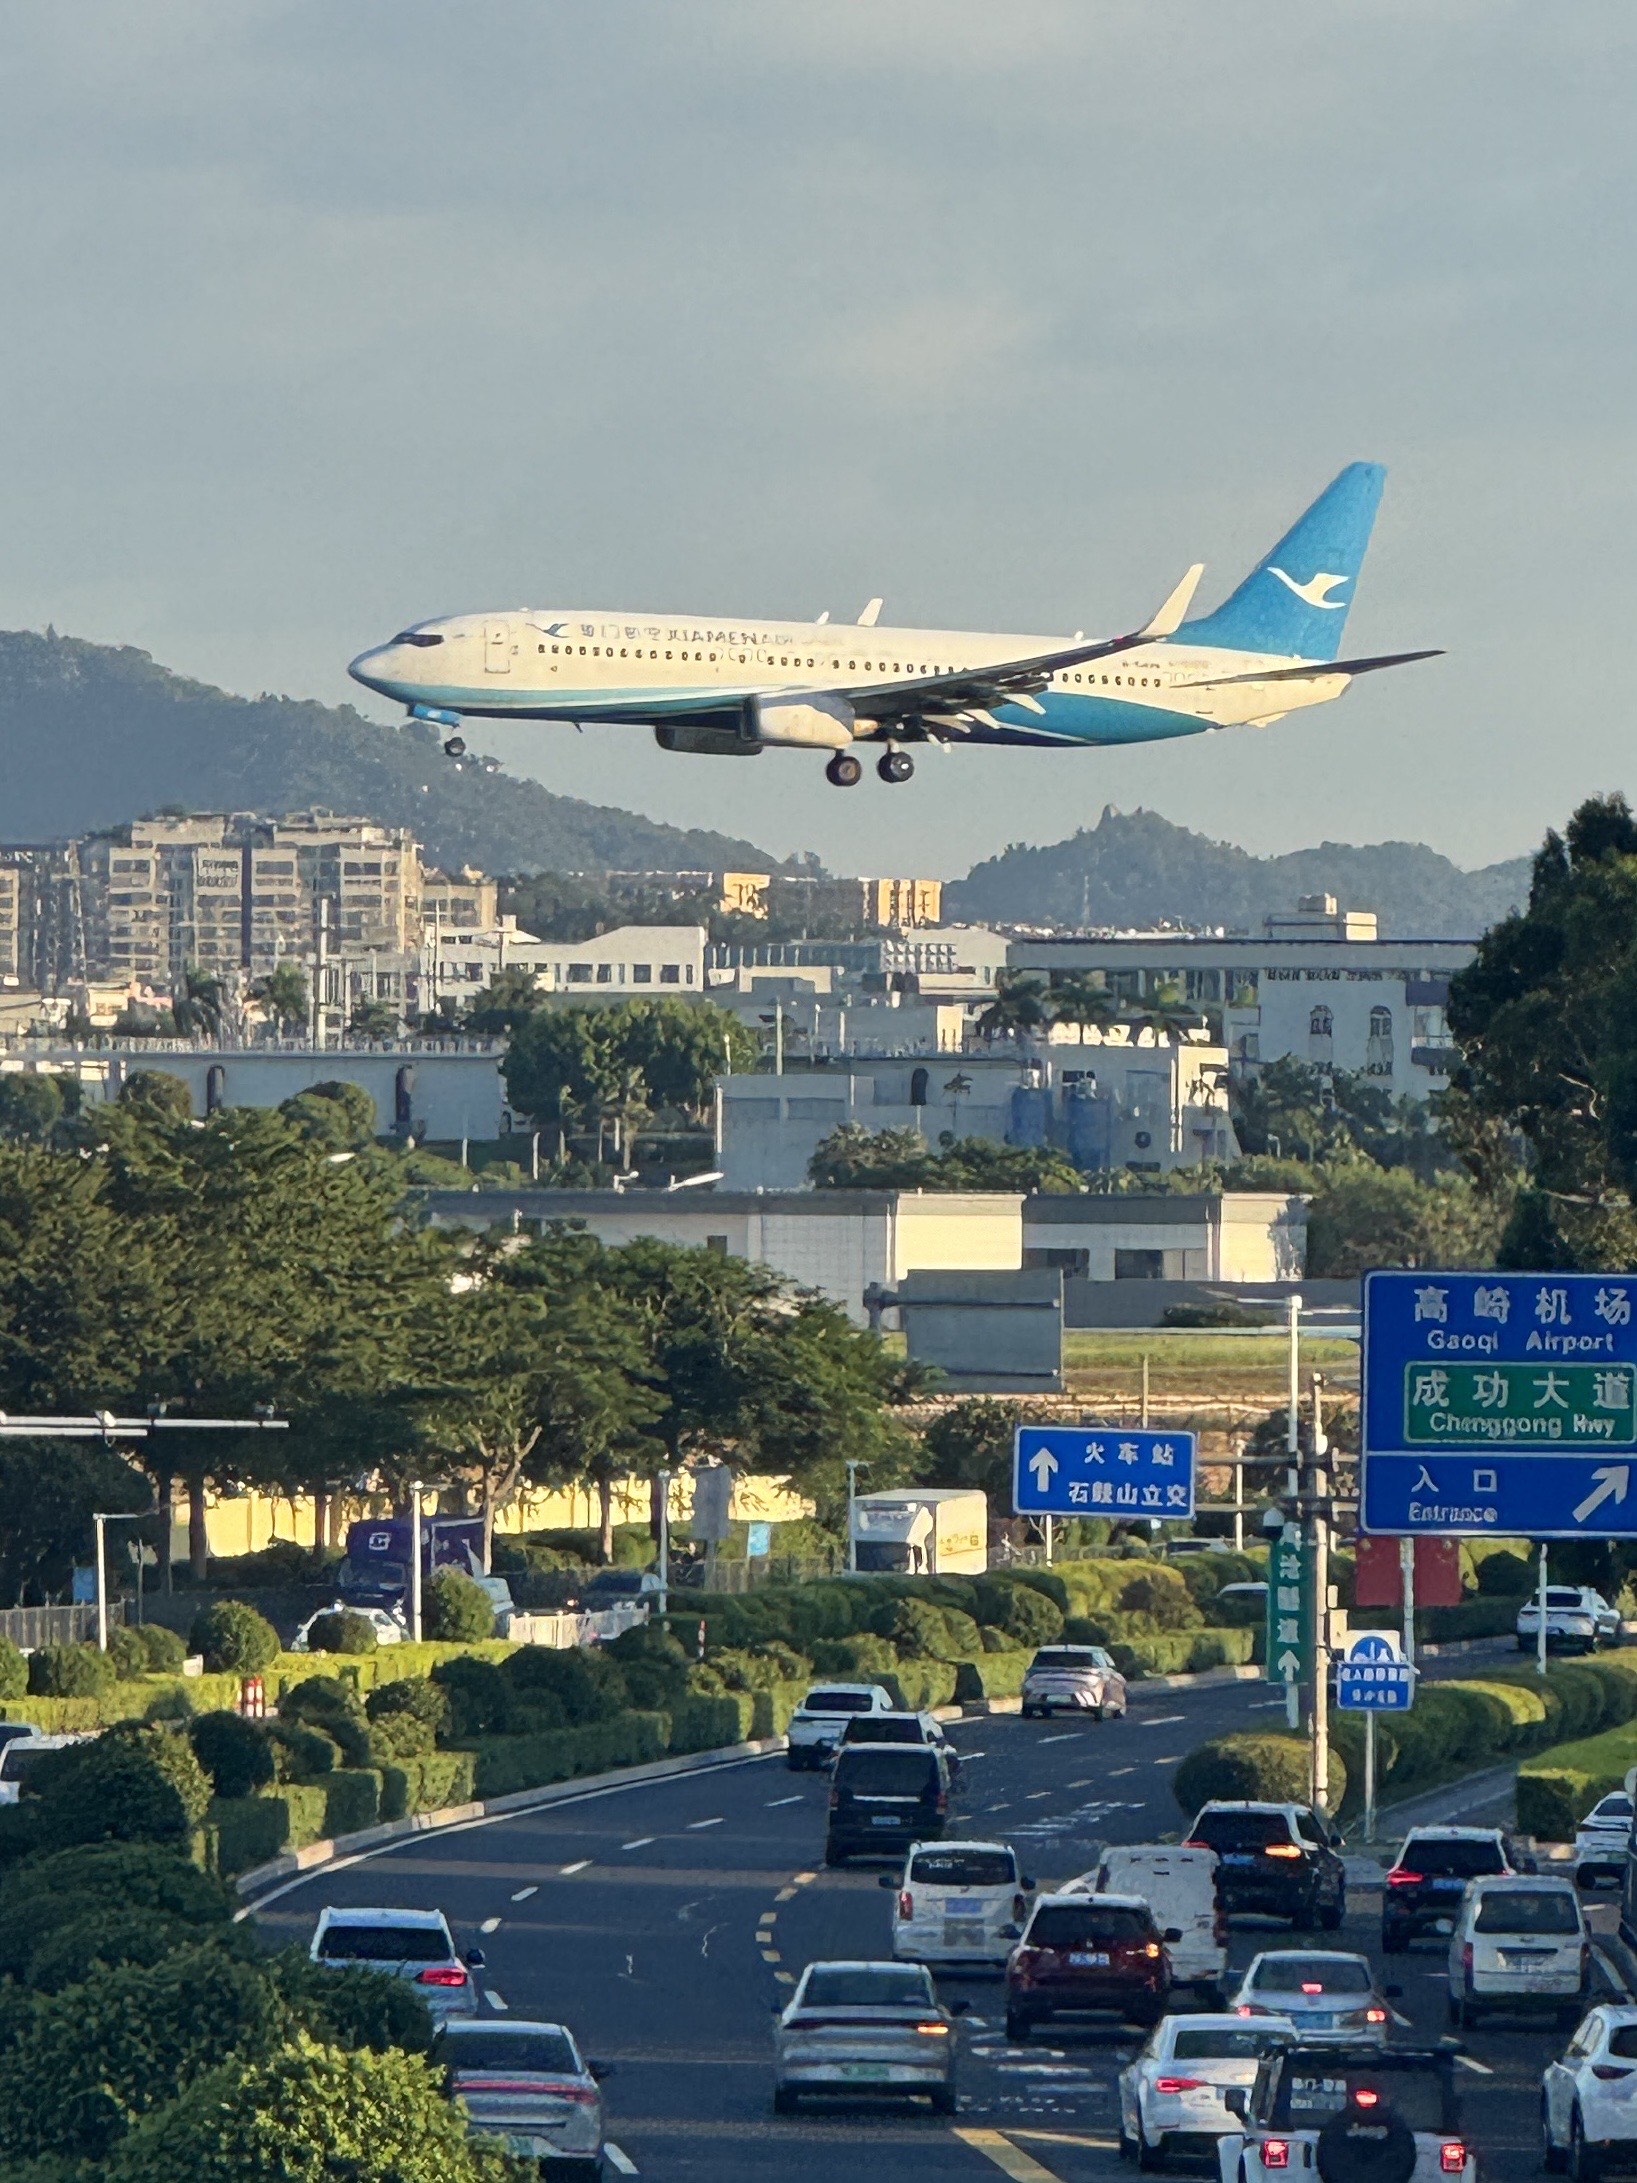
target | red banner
x=1376, y=1580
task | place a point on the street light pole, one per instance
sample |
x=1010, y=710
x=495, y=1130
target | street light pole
x=664, y=1542
x=852, y=1498
x=102, y=1583
x=415, y=1561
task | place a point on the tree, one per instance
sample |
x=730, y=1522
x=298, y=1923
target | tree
x=48, y=1492
x=978, y=1163
x=1085, y=1001
x=509, y=999
x=337, y=1116
x=373, y=1019
x=969, y=1445
x=1363, y=1216
x=855, y=1158
x=198, y=1004
x=158, y=1093
x=284, y=999
x=30, y=1108
x=580, y=1061
x=1017, y=1010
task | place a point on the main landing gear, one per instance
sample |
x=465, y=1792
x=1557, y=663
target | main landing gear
x=844, y=770
x=895, y=765
x=455, y=747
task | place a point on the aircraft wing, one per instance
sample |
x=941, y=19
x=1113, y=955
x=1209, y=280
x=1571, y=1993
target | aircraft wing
x=1013, y=680
x=1315, y=670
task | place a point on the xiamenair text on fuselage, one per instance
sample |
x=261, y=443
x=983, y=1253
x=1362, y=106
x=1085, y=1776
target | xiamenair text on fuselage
x=734, y=688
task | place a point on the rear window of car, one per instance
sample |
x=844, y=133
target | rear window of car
x=963, y=1868
x=1313, y=2091
x=883, y=1770
x=1312, y=1975
x=1226, y=2046
x=1614, y=1811
x=878, y=1728
x=1556, y=1598
x=1073, y=1657
x=1240, y=1830
x=542, y=2053
x=836, y=1701
x=384, y=1944
x=1442, y=1859
x=842, y=1988
x=1623, y=2041
x=1095, y=1925
x=1527, y=1910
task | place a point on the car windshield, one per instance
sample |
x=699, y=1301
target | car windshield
x=859, y=1986
x=1614, y=1811
x=1071, y=1657
x=836, y=1701
x=1312, y=1975
x=481, y=2047
x=1225, y=2045
x=1314, y=2090
x=1527, y=1910
x=384, y=1944
x=874, y=1770
x=963, y=1868
x=1240, y=1830
x=882, y=1728
x=1089, y=1925
x=1439, y=1858
x=620, y=1580
x=1623, y=2041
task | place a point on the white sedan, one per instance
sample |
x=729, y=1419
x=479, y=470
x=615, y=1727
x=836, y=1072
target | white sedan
x=389, y=1628
x=1602, y=1840
x=1331, y=1998
x=1171, y=2095
x=1588, y=2100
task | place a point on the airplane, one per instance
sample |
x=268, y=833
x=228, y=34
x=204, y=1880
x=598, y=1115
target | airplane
x=727, y=687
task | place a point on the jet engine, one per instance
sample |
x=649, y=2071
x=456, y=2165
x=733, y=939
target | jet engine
x=718, y=735
x=811, y=722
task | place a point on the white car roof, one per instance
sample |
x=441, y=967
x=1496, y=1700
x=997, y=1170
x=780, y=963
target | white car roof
x=1522, y=1883
x=962, y=1841
x=861, y=1690
x=508, y=2027
x=432, y=1921
x=1307, y=1955
x=1103, y=1902
x=1456, y=1834
x=1235, y=2022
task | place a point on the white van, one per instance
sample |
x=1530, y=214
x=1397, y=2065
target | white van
x=1519, y=1943
x=1179, y=1886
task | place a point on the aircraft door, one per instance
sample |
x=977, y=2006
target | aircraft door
x=497, y=648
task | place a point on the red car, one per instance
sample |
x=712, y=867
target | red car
x=1088, y=1955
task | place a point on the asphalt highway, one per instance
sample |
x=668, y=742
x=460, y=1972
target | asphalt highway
x=665, y=1922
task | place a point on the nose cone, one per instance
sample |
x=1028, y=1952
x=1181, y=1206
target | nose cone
x=371, y=667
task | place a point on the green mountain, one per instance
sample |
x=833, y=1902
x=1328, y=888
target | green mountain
x=1137, y=869
x=92, y=735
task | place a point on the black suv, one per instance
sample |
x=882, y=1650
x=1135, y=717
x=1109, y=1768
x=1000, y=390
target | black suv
x=883, y=1797
x=1277, y=1858
x=1424, y=1887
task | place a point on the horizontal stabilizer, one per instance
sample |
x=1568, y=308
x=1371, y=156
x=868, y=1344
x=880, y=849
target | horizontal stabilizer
x=1317, y=670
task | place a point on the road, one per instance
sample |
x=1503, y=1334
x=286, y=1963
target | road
x=665, y=1921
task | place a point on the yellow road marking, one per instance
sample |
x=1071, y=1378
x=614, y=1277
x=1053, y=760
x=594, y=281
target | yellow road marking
x=771, y=1955
x=784, y=1895
x=1067, y=2137
x=784, y=1978
x=1011, y=2159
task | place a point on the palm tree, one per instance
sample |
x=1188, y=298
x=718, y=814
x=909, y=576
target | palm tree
x=1019, y=1007
x=1084, y=1001
x=197, y=1003
x=955, y=1091
x=283, y=993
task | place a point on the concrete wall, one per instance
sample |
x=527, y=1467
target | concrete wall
x=450, y=1094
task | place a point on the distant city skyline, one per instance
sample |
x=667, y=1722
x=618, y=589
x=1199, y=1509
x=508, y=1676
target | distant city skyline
x=314, y=328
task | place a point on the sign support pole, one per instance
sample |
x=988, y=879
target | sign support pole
x=1048, y=1527
x=1318, y=1478
x=102, y=1583
x=1540, y=1634
x=1370, y=1775
x=415, y=1562
x=1406, y=1584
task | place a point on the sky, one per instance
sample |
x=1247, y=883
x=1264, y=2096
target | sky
x=318, y=320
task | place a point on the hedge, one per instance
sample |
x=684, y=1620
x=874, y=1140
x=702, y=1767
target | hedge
x=1271, y=1765
x=1555, y=1794
x=509, y=1763
x=1182, y=1652
x=994, y=1675
x=707, y=1724
x=426, y=1784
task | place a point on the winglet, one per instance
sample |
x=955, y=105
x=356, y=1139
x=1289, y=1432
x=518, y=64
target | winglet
x=1174, y=612
x=866, y=620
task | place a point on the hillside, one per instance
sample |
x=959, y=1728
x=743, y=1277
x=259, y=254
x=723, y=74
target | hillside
x=1135, y=869
x=91, y=736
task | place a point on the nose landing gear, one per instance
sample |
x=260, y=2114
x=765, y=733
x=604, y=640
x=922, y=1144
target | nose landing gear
x=844, y=770
x=895, y=765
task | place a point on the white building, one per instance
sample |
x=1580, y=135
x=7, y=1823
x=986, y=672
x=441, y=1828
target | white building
x=1319, y=987
x=840, y=1242
x=628, y=963
x=1235, y=1237
x=1149, y=1103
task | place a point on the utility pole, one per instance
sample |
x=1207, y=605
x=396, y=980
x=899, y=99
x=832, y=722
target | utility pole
x=1318, y=1517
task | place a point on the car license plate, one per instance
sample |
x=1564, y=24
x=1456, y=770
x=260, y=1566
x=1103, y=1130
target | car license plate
x=1320, y=2019
x=963, y=1910
x=867, y=2072
x=883, y=1819
x=1238, y=1857
x=1085, y=1962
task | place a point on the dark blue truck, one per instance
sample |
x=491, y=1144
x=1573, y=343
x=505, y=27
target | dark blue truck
x=375, y=1572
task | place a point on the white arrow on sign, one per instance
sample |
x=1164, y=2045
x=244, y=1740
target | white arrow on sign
x=1043, y=1463
x=1288, y=1665
x=1615, y=1479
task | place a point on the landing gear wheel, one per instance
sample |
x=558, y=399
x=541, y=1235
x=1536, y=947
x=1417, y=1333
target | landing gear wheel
x=1018, y=2028
x=455, y=747
x=1553, y=2157
x=784, y=2100
x=895, y=765
x=844, y=770
x=943, y=2100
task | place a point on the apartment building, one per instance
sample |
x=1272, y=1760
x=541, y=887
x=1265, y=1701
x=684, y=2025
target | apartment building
x=463, y=901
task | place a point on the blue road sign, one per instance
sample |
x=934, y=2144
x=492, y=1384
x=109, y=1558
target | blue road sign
x=1374, y=1677
x=1499, y=1402
x=1095, y=1470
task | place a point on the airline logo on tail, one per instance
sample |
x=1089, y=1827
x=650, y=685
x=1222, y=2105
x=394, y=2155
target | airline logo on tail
x=1312, y=593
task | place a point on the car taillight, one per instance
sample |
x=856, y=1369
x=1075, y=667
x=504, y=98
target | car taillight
x=441, y=1974
x=1364, y=2097
x=1179, y=2084
x=1150, y=1949
x=1276, y=2152
x=1311, y=1986
x=1452, y=2157
x=1405, y=1879
x=933, y=2031
x=1194, y=1842
x=1375, y=2016
x=906, y=1904
x=1281, y=1849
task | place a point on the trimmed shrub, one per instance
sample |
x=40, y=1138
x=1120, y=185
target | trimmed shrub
x=1262, y=1765
x=509, y=1763
x=326, y=1703
x=13, y=1670
x=128, y=1653
x=862, y=1659
x=102, y=1880
x=401, y=1736
x=654, y=1665
x=341, y=1631
x=1504, y=1574
x=454, y=1610
x=1159, y=1599
x=582, y=1679
x=164, y=1648
x=132, y=1784
x=1556, y=1791
x=237, y=1754
x=478, y=1693
x=417, y=1696
x=71, y=1671
x=1025, y=1616
x=705, y=1723
x=347, y=2007
x=994, y=1675
x=424, y=1784
x=233, y=1638
x=300, y=1751
x=102, y=1939
x=1180, y=1652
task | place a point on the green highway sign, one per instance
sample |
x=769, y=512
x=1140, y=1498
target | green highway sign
x=1536, y=1405
x=1288, y=1655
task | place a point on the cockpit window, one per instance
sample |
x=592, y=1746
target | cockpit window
x=422, y=637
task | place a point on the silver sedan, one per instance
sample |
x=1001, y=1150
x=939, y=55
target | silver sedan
x=870, y=2029
x=528, y=2085
x=1331, y=1998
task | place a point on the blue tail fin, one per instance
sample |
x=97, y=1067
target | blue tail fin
x=1295, y=600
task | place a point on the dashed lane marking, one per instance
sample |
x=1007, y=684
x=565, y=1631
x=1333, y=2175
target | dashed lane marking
x=800, y=1879
x=578, y=1866
x=1035, y=1795
x=642, y=1841
x=490, y=1925
x=771, y=1955
x=1067, y=1736
x=1163, y=1720
x=496, y=2000
x=1067, y=2137
x=524, y=1893
x=694, y=1825
x=1482, y=2069
x=785, y=1895
x=618, y=2159
x=1114, y=1774
x=1011, y=2159
x=1170, y=1759
x=785, y=1978
x=780, y=1801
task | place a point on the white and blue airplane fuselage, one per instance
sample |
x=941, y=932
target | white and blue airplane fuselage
x=734, y=687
